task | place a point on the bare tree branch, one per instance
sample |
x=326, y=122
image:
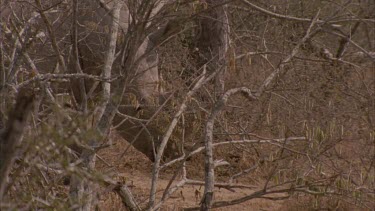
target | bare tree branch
x=110, y=55
x=87, y=155
x=245, y=141
x=209, y=161
x=294, y=52
x=168, y=133
x=291, y=18
x=356, y=45
x=51, y=33
x=52, y=76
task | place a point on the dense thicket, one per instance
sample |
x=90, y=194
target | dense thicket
x=276, y=96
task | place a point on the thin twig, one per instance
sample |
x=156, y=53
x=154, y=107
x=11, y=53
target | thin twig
x=291, y=18
x=294, y=52
x=50, y=76
x=156, y=168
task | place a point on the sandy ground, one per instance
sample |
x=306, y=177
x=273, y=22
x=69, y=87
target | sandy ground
x=135, y=170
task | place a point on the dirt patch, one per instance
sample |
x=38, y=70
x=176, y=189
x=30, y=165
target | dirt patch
x=135, y=170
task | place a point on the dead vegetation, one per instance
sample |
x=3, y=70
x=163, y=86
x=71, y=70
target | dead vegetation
x=187, y=105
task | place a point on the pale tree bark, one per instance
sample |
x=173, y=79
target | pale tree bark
x=212, y=46
x=81, y=189
x=110, y=56
x=139, y=66
x=207, y=200
x=203, y=79
x=209, y=172
x=166, y=137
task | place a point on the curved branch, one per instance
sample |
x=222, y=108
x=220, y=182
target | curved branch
x=168, y=133
x=294, y=52
x=292, y=18
x=246, y=141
